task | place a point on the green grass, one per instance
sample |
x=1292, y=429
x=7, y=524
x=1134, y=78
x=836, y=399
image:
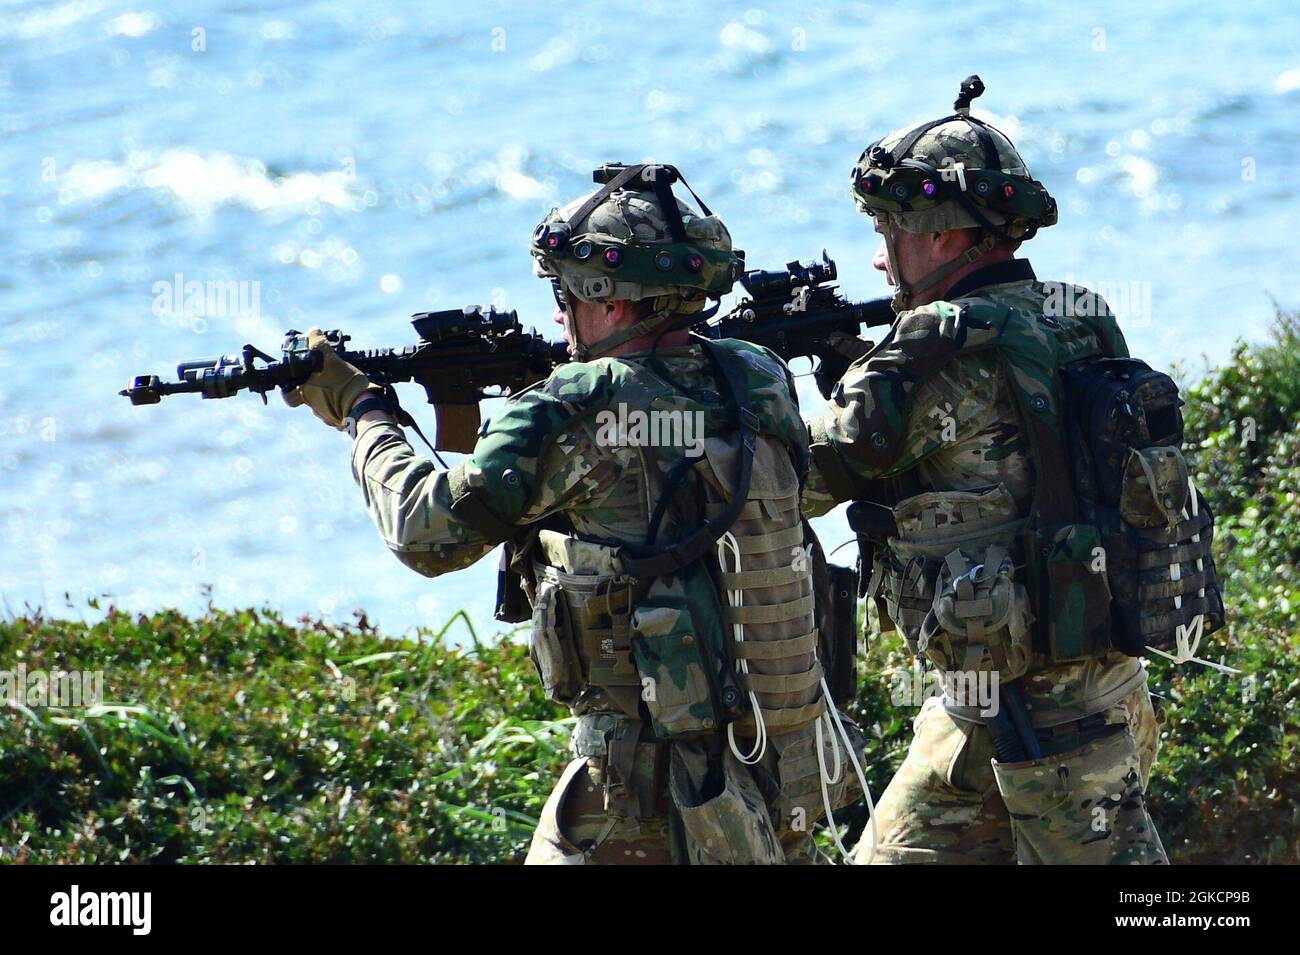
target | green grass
x=242, y=737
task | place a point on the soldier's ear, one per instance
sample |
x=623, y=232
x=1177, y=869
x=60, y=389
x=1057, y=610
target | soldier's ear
x=617, y=312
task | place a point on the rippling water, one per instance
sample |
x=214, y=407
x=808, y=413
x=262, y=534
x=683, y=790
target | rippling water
x=362, y=162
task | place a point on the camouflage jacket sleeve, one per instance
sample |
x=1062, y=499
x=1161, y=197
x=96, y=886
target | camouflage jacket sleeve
x=438, y=520
x=409, y=499
x=910, y=399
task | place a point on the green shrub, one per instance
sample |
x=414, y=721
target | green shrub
x=236, y=737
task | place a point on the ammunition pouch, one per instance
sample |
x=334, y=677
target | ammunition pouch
x=948, y=581
x=978, y=615
x=1077, y=599
x=582, y=633
x=552, y=646
x=655, y=648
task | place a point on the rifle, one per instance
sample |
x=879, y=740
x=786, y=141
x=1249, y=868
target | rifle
x=459, y=354
x=462, y=352
x=796, y=314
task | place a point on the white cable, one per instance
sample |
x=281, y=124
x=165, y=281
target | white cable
x=727, y=544
x=833, y=717
x=736, y=598
x=838, y=770
x=1188, y=638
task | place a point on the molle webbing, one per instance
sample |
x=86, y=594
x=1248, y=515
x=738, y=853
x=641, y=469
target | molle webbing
x=772, y=577
x=775, y=649
x=770, y=613
x=776, y=541
x=780, y=638
x=759, y=509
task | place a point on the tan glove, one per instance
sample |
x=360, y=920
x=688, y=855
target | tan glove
x=330, y=392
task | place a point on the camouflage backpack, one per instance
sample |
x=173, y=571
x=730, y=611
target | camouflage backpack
x=1124, y=433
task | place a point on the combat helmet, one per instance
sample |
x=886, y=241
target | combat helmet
x=633, y=240
x=957, y=172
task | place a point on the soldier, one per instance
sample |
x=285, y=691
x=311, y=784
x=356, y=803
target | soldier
x=649, y=492
x=949, y=424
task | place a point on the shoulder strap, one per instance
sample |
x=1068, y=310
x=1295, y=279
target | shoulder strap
x=699, y=543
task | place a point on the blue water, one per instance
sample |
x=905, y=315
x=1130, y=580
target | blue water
x=362, y=162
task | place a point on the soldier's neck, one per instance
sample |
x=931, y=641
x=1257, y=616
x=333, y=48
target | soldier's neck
x=675, y=339
x=939, y=291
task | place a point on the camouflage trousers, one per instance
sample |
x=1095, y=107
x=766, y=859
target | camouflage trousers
x=950, y=802
x=678, y=819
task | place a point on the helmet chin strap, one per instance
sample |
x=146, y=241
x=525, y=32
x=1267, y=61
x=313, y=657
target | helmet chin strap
x=578, y=350
x=906, y=292
x=650, y=323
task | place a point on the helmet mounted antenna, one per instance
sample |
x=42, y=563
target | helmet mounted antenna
x=972, y=87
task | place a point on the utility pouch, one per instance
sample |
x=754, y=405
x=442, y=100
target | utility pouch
x=1078, y=594
x=676, y=670
x=730, y=827
x=597, y=603
x=551, y=642
x=842, y=634
x=1084, y=807
x=939, y=529
x=512, y=601
x=1154, y=488
x=979, y=618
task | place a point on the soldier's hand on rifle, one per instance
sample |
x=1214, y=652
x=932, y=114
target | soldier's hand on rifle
x=330, y=392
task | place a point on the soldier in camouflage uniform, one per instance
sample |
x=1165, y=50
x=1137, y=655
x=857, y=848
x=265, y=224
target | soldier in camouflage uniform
x=614, y=516
x=940, y=423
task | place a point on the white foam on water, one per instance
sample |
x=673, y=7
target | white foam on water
x=1142, y=174
x=740, y=37
x=1287, y=81
x=205, y=182
x=132, y=24
x=43, y=23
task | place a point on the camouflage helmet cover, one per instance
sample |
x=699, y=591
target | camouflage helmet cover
x=980, y=175
x=624, y=250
